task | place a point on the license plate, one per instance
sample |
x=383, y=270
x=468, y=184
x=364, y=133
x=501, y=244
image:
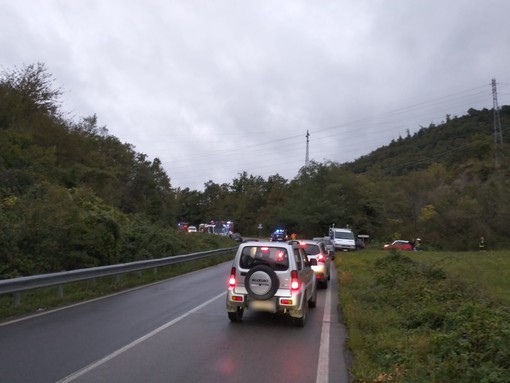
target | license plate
x=263, y=305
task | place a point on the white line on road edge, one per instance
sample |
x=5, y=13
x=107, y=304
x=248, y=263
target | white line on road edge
x=323, y=365
x=100, y=362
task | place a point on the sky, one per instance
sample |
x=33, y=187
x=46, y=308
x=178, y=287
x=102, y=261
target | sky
x=221, y=87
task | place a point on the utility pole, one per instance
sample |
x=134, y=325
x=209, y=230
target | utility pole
x=498, y=135
x=307, y=157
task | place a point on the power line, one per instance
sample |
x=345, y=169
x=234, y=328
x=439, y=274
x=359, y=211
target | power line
x=353, y=136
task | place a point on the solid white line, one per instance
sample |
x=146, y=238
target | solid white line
x=51, y=311
x=323, y=365
x=102, y=361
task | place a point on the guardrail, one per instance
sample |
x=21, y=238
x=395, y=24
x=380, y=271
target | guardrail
x=17, y=285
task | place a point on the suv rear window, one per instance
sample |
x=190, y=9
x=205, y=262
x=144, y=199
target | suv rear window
x=274, y=257
x=311, y=249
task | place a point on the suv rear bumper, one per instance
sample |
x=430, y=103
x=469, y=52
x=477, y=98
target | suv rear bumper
x=291, y=303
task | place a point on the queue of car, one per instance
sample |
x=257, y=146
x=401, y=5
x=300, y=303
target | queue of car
x=278, y=276
x=282, y=274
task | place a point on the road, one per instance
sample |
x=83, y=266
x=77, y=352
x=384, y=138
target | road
x=174, y=331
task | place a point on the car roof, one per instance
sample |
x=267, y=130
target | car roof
x=267, y=243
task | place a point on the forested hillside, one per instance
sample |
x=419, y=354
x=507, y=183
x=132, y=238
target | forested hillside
x=72, y=195
x=447, y=184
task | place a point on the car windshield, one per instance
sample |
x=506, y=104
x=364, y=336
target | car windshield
x=343, y=235
x=274, y=257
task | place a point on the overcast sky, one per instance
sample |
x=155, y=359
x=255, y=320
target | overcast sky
x=214, y=88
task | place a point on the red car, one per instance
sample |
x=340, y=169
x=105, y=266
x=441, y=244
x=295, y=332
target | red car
x=399, y=244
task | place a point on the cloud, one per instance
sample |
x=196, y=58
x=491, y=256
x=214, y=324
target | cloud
x=217, y=88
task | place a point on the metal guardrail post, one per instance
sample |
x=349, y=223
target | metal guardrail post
x=17, y=285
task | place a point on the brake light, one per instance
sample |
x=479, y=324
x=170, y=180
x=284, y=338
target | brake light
x=320, y=258
x=232, y=278
x=294, y=283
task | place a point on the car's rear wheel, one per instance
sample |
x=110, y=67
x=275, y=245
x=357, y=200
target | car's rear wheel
x=237, y=315
x=313, y=301
x=324, y=284
x=301, y=321
x=261, y=282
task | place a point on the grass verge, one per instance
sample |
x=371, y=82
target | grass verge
x=426, y=317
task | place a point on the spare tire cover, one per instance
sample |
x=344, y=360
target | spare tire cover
x=261, y=282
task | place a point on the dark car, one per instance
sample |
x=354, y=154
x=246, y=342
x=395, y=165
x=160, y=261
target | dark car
x=237, y=237
x=279, y=235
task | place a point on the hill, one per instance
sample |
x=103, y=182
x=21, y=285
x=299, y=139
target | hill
x=73, y=196
x=448, y=182
x=450, y=144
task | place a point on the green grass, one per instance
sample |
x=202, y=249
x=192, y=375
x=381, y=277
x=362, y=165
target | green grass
x=47, y=298
x=489, y=270
x=427, y=317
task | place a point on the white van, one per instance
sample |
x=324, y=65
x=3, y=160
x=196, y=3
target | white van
x=343, y=239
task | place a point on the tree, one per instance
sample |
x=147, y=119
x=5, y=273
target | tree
x=34, y=86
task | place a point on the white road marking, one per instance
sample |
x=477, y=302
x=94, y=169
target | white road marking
x=51, y=311
x=102, y=361
x=323, y=365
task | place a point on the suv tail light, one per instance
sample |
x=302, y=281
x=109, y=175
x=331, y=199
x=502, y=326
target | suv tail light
x=232, y=278
x=320, y=258
x=294, y=283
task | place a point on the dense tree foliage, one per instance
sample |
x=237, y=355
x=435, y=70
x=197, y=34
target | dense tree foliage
x=446, y=184
x=72, y=195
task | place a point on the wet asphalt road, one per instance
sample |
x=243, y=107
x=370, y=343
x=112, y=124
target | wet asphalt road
x=174, y=331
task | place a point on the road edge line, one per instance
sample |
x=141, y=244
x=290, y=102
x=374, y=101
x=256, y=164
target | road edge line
x=323, y=363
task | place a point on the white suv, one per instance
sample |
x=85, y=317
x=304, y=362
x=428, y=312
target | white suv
x=273, y=277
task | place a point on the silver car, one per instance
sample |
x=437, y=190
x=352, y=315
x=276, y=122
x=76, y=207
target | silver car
x=274, y=277
x=317, y=250
x=329, y=243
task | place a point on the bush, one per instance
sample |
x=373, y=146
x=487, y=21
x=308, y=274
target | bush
x=412, y=322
